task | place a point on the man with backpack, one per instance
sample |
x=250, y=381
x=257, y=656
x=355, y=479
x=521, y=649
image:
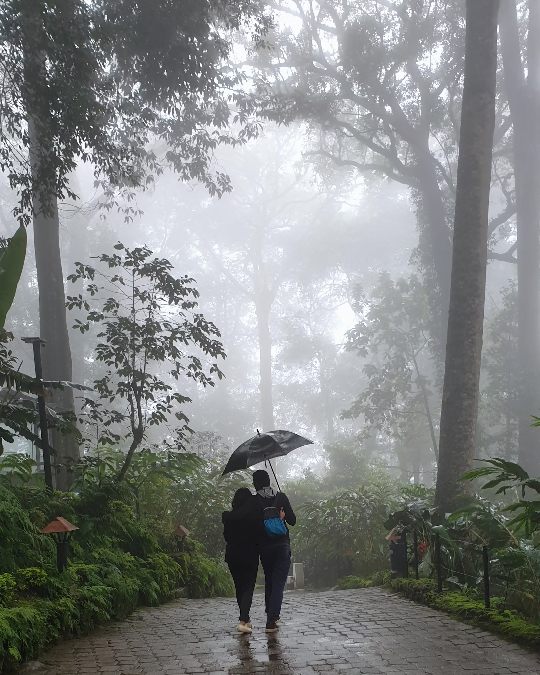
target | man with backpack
x=274, y=544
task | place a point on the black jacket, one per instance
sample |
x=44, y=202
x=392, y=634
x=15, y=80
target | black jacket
x=250, y=516
x=241, y=535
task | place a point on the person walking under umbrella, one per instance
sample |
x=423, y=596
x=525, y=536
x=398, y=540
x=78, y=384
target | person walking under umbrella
x=267, y=514
x=270, y=510
x=242, y=554
x=274, y=544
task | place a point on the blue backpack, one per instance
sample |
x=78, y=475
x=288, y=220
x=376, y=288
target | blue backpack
x=274, y=526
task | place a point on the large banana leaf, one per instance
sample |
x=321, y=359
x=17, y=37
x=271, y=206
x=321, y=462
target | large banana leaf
x=11, y=264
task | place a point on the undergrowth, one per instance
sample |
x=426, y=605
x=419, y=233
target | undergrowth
x=116, y=564
x=471, y=609
x=351, y=582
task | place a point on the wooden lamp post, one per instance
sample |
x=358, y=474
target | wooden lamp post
x=61, y=530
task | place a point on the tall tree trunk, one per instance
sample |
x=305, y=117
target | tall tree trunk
x=263, y=305
x=524, y=100
x=469, y=257
x=52, y=310
x=52, y=320
x=265, y=361
x=420, y=383
x=435, y=250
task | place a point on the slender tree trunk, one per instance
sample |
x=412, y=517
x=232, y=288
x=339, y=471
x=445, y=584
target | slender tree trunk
x=327, y=421
x=52, y=311
x=436, y=250
x=53, y=328
x=265, y=361
x=469, y=258
x=263, y=306
x=427, y=410
x=524, y=101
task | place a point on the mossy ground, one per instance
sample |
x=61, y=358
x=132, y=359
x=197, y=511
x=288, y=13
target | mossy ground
x=467, y=608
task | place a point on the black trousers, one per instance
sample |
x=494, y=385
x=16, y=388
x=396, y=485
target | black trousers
x=276, y=561
x=244, y=574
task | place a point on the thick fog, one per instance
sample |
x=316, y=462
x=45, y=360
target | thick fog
x=322, y=247
x=312, y=261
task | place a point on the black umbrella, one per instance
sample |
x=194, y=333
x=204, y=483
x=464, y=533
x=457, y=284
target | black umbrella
x=263, y=448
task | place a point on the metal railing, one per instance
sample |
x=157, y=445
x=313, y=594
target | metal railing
x=439, y=566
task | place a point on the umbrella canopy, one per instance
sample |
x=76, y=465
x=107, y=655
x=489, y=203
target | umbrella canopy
x=263, y=447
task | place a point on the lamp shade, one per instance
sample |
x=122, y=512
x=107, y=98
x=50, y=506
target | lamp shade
x=58, y=526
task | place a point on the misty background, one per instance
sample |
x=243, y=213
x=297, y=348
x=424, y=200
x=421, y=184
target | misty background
x=314, y=250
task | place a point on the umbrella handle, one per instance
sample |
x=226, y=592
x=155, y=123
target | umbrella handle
x=273, y=473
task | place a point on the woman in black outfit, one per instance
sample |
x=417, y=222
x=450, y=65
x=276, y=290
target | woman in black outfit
x=242, y=554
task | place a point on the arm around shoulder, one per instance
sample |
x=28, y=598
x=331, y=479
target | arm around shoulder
x=290, y=516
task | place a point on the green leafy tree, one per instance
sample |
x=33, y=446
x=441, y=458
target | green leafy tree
x=344, y=534
x=152, y=476
x=378, y=84
x=98, y=82
x=145, y=318
x=393, y=334
x=18, y=404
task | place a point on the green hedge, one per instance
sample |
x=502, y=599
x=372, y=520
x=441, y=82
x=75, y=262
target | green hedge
x=350, y=582
x=471, y=609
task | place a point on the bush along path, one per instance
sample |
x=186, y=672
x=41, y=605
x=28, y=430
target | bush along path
x=116, y=564
x=356, y=631
x=506, y=622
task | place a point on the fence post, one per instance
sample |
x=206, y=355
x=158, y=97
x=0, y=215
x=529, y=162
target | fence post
x=415, y=544
x=438, y=562
x=298, y=576
x=485, y=558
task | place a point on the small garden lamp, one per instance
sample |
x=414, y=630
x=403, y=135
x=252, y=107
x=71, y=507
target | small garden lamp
x=181, y=532
x=61, y=530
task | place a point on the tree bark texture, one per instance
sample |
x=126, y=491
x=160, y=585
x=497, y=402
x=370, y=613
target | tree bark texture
x=469, y=255
x=524, y=100
x=263, y=306
x=435, y=249
x=52, y=311
x=53, y=323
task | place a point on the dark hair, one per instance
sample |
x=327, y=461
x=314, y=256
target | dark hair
x=240, y=497
x=261, y=479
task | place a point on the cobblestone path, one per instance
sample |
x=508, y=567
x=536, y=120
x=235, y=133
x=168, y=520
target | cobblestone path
x=364, y=631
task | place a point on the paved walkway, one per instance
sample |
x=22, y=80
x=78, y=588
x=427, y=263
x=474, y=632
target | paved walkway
x=364, y=631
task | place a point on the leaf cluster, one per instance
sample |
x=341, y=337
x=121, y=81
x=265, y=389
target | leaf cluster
x=100, y=80
x=144, y=317
x=506, y=476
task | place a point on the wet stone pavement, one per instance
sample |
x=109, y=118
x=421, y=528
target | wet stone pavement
x=363, y=631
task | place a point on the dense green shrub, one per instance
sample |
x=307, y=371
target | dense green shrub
x=32, y=580
x=344, y=535
x=205, y=576
x=21, y=544
x=346, y=583
x=7, y=589
x=115, y=565
x=377, y=579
